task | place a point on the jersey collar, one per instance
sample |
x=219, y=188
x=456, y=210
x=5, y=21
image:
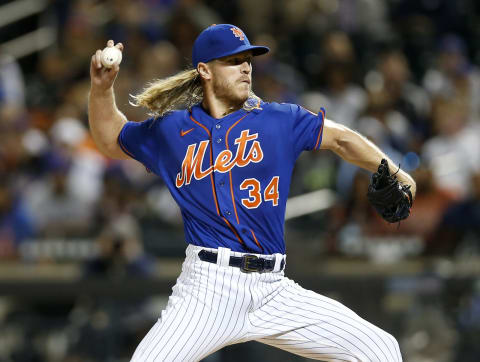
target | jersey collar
x=200, y=114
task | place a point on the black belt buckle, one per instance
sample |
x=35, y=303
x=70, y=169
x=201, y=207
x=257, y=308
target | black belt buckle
x=246, y=259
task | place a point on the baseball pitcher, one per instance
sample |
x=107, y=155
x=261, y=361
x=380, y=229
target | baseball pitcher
x=227, y=158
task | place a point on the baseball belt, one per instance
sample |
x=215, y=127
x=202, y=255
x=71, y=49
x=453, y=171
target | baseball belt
x=247, y=263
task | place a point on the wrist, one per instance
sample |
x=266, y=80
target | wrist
x=406, y=179
x=100, y=92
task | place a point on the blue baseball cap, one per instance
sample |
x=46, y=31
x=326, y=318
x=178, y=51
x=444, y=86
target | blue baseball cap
x=221, y=40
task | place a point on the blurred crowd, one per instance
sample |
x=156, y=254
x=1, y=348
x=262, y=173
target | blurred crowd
x=402, y=72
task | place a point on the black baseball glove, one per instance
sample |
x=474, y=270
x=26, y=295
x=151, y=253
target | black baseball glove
x=388, y=196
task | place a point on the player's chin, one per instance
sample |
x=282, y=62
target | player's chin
x=243, y=93
x=242, y=98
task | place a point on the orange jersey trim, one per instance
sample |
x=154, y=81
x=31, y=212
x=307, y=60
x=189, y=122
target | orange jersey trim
x=255, y=238
x=230, y=172
x=123, y=147
x=211, y=163
x=233, y=230
x=213, y=183
x=321, y=129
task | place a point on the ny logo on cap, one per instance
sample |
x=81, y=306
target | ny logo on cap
x=238, y=33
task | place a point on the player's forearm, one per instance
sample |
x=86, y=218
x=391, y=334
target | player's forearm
x=106, y=121
x=358, y=150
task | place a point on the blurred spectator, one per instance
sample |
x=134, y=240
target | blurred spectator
x=15, y=221
x=79, y=35
x=160, y=60
x=157, y=61
x=429, y=334
x=54, y=183
x=468, y=322
x=350, y=218
x=12, y=86
x=454, y=76
x=72, y=141
x=275, y=81
x=381, y=125
x=426, y=214
x=366, y=17
x=57, y=211
x=355, y=224
x=258, y=16
x=459, y=226
x=47, y=84
x=454, y=153
x=62, y=201
x=420, y=23
x=187, y=20
x=118, y=197
x=409, y=101
x=14, y=158
x=344, y=100
x=121, y=251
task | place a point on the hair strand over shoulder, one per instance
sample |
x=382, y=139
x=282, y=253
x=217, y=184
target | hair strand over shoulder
x=179, y=91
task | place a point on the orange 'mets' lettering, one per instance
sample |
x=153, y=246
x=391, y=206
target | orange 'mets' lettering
x=242, y=141
x=222, y=163
x=192, y=165
x=225, y=161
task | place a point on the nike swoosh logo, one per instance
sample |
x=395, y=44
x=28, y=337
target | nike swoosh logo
x=183, y=133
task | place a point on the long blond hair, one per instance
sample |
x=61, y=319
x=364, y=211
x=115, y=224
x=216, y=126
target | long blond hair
x=180, y=91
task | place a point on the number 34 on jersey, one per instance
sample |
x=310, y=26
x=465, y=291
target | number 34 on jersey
x=225, y=161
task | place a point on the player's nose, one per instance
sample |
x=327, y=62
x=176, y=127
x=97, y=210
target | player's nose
x=246, y=67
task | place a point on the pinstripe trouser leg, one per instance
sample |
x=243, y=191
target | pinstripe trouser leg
x=213, y=306
x=207, y=310
x=311, y=325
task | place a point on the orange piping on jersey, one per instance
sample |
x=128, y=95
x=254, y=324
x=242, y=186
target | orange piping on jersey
x=255, y=238
x=211, y=180
x=318, y=137
x=233, y=199
x=201, y=125
x=211, y=163
x=213, y=184
x=124, y=149
x=321, y=129
x=230, y=172
x=323, y=113
x=234, y=231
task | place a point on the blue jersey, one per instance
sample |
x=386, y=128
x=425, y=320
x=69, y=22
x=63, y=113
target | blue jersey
x=229, y=176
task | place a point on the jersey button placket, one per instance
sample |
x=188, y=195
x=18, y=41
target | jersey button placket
x=222, y=192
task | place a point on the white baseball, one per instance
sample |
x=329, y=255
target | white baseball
x=111, y=56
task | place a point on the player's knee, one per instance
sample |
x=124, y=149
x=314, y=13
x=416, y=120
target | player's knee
x=393, y=348
x=387, y=350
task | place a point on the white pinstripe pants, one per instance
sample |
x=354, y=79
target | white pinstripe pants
x=213, y=306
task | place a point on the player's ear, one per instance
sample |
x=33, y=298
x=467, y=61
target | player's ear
x=204, y=71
